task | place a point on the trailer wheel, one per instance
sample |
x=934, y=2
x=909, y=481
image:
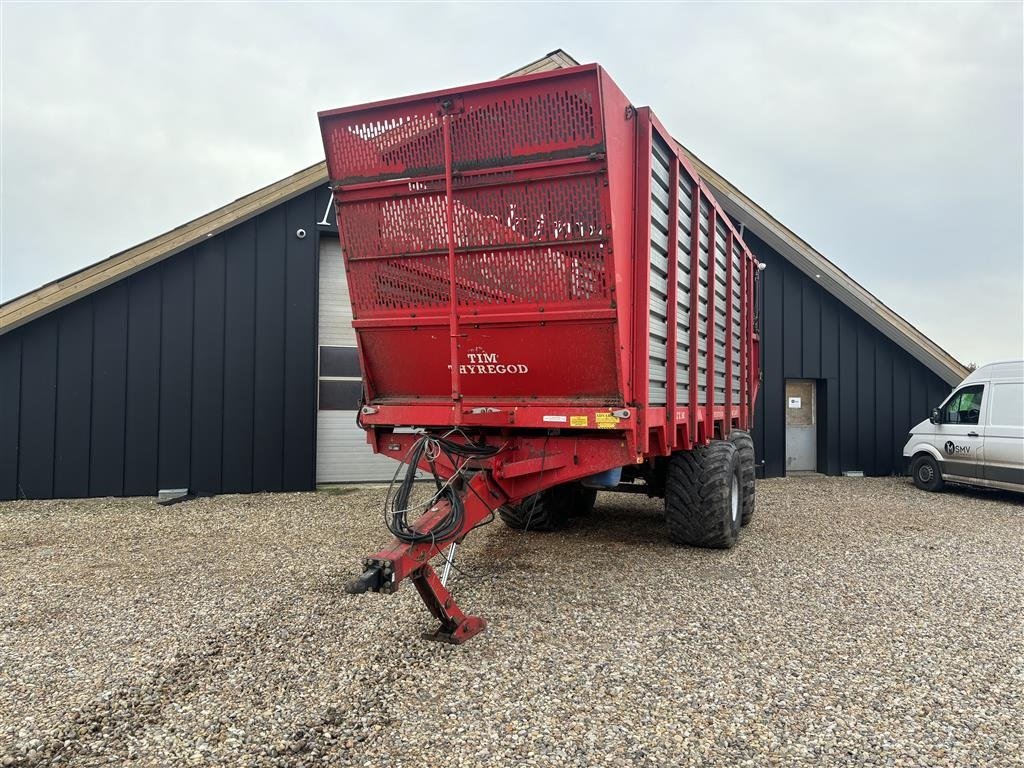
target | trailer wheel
x=926, y=473
x=745, y=448
x=703, y=496
x=548, y=510
x=583, y=502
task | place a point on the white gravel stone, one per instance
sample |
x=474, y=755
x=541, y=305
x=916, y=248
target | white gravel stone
x=859, y=622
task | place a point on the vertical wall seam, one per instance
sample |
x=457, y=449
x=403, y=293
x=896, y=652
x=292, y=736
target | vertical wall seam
x=127, y=379
x=255, y=339
x=92, y=388
x=159, y=368
x=284, y=351
x=21, y=388
x=191, y=376
x=56, y=407
x=223, y=352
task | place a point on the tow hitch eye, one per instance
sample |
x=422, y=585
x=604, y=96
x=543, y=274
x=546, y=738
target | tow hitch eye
x=375, y=578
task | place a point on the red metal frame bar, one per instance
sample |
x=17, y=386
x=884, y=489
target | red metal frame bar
x=453, y=309
x=487, y=315
x=671, y=352
x=728, y=332
x=709, y=385
x=470, y=249
x=560, y=168
x=641, y=276
x=744, y=341
x=695, y=203
x=755, y=363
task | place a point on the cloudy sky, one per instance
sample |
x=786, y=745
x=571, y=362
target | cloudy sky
x=887, y=136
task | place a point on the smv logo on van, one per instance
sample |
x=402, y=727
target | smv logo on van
x=952, y=448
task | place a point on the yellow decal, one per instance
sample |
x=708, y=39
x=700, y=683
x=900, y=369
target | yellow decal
x=606, y=420
x=578, y=421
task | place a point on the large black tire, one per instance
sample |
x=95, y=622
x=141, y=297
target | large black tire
x=548, y=510
x=703, y=496
x=926, y=473
x=583, y=503
x=745, y=448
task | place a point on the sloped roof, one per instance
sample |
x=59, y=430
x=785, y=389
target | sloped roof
x=64, y=290
x=55, y=294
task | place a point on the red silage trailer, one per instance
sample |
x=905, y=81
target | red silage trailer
x=529, y=263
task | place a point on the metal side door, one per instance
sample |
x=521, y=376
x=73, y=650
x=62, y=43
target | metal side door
x=801, y=426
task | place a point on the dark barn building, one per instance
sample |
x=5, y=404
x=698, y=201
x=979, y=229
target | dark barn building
x=218, y=357
x=867, y=390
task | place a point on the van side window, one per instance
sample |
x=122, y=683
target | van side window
x=964, y=407
x=1007, y=405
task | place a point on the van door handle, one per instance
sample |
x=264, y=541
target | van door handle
x=972, y=434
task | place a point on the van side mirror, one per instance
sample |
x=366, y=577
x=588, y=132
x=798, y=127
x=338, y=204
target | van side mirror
x=936, y=417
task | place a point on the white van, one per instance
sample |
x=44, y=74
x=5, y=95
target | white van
x=976, y=436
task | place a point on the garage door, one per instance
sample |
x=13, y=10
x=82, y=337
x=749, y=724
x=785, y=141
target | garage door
x=342, y=455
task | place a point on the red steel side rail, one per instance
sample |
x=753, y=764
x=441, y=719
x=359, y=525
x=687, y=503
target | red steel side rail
x=727, y=427
x=753, y=363
x=709, y=386
x=695, y=197
x=744, y=342
x=671, y=351
x=453, y=292
x=642, y=276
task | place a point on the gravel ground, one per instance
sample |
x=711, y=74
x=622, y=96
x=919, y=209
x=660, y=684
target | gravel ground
x=860, y=621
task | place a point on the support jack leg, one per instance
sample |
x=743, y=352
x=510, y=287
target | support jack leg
x=456, y=627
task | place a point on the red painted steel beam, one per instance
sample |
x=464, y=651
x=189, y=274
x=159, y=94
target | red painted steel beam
x=453, y=309
x=547, y=245
x=671, y=352
x=709, y=385
x=694, y=405
x=498, y=176
x=728, y=333
x=484, y=315
x=744, y=343
x=641, y=276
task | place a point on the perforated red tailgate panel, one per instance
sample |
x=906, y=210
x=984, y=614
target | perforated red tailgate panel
x=529, y=217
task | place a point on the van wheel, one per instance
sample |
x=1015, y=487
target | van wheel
x=548, y=510
x=703, y=496
x=926, y=473
x=745, y=448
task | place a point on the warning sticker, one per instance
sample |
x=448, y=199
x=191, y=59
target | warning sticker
x=579, y=421
x=606, y=420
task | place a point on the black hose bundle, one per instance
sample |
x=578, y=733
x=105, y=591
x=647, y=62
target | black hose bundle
x=431, y=448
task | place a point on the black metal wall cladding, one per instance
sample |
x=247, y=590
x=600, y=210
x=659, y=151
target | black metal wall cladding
x=197, y=372
x=870, y=391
